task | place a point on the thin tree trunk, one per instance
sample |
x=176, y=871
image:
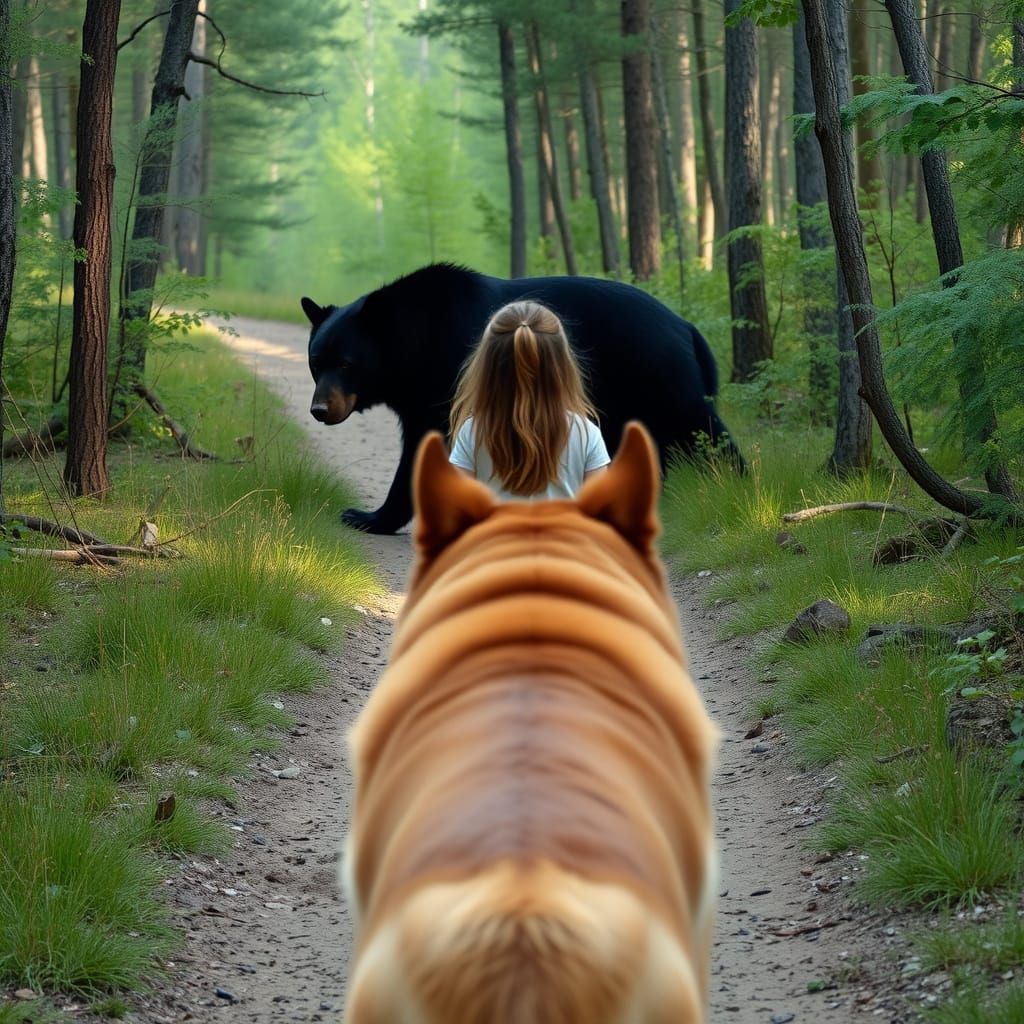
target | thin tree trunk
x=572, y=146
x=641, y=143
x=751, y=340
x=687, y=131
x=85, y=471
x=869, y=166
x=39, y=161
x=190, y=233
x=154, y=176
x=976, y=45
x=668, y=164
x=597, y=168
x=549, y=164
x=706, y=225
x=946, y=232
x=19, y=118
x=720, y=219
x=8, y=212
x=513, y=151
x=62, y=150
x=820, y=316
x=846, y=226
x=545, y=205
x=947, y=42
x=771, y=115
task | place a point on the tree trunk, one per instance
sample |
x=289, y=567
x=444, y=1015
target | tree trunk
x=572, y=145
x=39, y=157
x=687, y=131
x=545, y=205
x=846, y=226
x=947, y=42
x=513, y=152
x=157, y=150
x=85, y=471
x=976, y=45
x=720, y=218
x=668, y=164
x=549, y=160
x=62, y=150
x=751, y=341
x=598, y=171
x=8, y=214
x=869, y=167
x=820, y=316
x=706, y=225
x=641, y=143
x=190, y=227
x=19, y=118
x=771, y=116
x=946, y=232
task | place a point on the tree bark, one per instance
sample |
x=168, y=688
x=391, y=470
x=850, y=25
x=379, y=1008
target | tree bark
x=869, y=166
x=751, y=341
x=62, y=151
x=706, y=225
x=8, y=214
x=39, y=157
x=947, y=42
x=642, y=212
x=549, y=159
x=19, y=117
x=946, y=234
x=846, y=226
x=597, y=168
x=687, y=130
x=707, y=126
x=190, y=226
x=976, y=43
x=85, y=471
x=572, y=146
x=154, y=175
x=770, y=119
x=513, y=152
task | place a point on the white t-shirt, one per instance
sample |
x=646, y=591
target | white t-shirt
x=584, y=452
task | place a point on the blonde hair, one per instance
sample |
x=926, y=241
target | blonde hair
x=520, y=384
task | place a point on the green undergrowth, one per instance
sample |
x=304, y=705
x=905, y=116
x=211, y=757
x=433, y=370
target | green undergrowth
x=118, y=686
x=263, y=306
x=936, y=830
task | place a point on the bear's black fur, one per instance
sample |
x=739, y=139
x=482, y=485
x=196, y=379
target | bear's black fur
x=405, y=344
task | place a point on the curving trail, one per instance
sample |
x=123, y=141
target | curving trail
x=267, y=926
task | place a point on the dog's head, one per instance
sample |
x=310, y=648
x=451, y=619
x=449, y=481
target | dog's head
x=618, y=507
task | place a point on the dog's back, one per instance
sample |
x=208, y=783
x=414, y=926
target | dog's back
x=532, y=842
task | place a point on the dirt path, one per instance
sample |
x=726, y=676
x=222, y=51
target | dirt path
x=268, y=933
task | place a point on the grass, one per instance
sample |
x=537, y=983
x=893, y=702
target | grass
x=159, y=676
x=264, y=306
x=937, y=831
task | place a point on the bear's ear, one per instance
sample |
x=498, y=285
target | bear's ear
x=625, y=495
x=447, y=501
x=317, y=314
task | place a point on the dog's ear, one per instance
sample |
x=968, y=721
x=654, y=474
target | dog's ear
x=317, y=314
x=625, y=495
x=447, y=501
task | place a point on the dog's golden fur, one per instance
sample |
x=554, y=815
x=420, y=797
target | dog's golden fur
x=532, y=840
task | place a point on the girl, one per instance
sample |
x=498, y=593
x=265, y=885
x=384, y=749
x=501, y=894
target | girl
x=520, y=420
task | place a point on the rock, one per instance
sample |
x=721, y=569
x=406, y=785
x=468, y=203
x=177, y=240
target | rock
x=789, y=543
x=908, y=636
x=291, y=772
x=822, y=619
x=26, y=994
x=980, y=722
x=223, y=993
x=783, y=1018
x=755, y=731
x=759, y=748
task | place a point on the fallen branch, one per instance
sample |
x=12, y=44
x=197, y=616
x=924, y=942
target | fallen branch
x=849, y=506
x=901, y=754
x=69, y=533
x=76, y=556
x=34, y=443
x=954, y=542
x=193, y=451
x=130, y=549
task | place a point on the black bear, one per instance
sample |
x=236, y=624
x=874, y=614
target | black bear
x=404, y=345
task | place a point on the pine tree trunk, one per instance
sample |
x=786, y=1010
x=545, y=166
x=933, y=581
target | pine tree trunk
x=154, y=177
x=771, y=118
x=190, y=226
x=62, y=150
x=687, y=132
x=720, y=218
x=39, y=157
x=869, y=166
x=85, y=470
x=545, y=206
x=549, y=159
x=751, y=341
x=846, y=226
x=19, y=118
x=976, y=45
x=706, y=225
x=8, y=213
x=572, y=146
x=641, y=143
x=946, y=231
x=513, y=152
x=597, y=169
x=947, y=42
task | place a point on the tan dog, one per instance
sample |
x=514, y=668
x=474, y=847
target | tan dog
x=532, y=841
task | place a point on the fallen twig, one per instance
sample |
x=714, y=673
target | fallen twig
x=849, y=506
x=954, y=542
x=76, y=556
x=193, y=451
x=901, y=754
x=69, y=533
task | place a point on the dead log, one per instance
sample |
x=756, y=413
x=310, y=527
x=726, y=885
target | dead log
x=76, y=556
x=180, y=434
x=849, y=506
x=71, y=534
x=34, y=444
